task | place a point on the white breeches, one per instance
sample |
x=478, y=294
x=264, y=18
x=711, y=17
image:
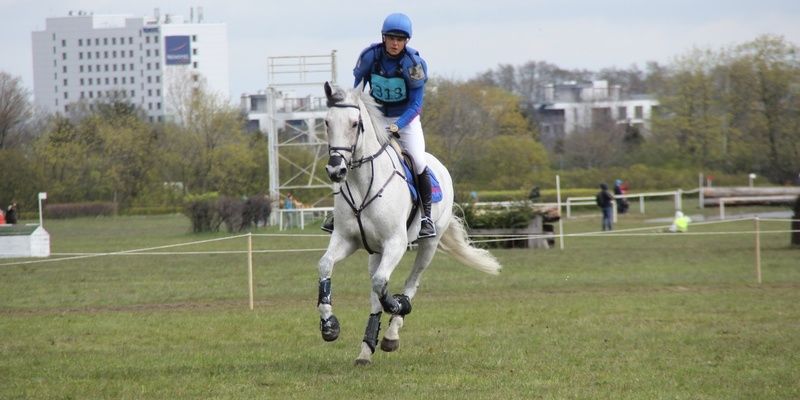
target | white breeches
x=413, y=141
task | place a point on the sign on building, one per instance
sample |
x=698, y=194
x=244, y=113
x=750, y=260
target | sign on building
x=178, y=50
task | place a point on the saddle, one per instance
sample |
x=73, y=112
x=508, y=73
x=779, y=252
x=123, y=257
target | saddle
x=412, y=181
x=411, y=178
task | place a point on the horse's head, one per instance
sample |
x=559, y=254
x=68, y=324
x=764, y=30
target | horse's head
x=343, y=126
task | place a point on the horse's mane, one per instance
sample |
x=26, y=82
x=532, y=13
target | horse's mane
x=376, y=121
x=376, y=118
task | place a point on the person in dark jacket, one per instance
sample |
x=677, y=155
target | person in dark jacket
x=11, y=213
x=605, y=200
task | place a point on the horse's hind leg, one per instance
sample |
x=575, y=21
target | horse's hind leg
x=337, y=250
x=425, y=253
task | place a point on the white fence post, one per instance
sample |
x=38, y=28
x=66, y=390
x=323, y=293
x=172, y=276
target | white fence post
x=569, y=214
x=560, y=220
x=700, y=194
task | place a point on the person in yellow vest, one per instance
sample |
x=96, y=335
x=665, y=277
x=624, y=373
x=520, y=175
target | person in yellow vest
x=680, y=223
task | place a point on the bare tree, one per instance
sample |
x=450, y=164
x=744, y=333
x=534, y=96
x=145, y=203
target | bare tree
x=14, y=106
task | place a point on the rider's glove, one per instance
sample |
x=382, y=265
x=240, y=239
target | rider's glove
x=394, y=130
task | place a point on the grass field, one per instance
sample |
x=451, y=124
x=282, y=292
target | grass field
x=610, y=317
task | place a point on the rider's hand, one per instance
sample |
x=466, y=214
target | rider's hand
x=394, y=130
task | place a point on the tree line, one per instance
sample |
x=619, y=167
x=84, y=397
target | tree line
x=110, y=153
x=731, y=111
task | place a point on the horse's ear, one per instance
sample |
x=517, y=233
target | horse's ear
x=328, y=91
x=360, y=87
x=334, y=94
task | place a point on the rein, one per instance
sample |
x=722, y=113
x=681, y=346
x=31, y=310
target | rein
x=354, y=164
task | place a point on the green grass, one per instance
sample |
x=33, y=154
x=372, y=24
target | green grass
x=622, y=317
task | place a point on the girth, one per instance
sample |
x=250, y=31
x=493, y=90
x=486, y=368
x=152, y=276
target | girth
x=367, y=201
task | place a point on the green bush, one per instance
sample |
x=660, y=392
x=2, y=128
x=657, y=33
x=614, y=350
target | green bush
x=155, y=210
x=209, y=211
x=202, y=212
x=518, y=215
x=73, y=210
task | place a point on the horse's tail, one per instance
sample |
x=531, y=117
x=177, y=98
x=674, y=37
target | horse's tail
x=456, y=243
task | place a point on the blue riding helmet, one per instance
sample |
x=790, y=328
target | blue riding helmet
x=397, y=23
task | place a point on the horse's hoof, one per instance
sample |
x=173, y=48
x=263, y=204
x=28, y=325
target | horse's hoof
x=389, y=345
x=361, y=361
x=329, y=328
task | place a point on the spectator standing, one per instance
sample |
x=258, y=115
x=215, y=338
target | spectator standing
x=534, y=194
x=11, y=213
x=622, y=203
x=288, y=204
x=605, y=200
x=2, y=218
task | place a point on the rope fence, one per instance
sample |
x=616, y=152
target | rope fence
x=657, y=231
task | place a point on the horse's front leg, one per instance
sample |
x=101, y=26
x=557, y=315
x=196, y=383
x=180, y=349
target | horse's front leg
x=338, y=249
x=380, y=269
x=374, y=321
x=380, y=279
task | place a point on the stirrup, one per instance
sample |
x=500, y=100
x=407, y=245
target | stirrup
x=427, y=228
x=327, y=225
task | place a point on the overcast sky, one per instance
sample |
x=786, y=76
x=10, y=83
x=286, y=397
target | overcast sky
x=458, y=38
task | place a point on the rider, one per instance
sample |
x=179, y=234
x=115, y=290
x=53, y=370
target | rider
x=396, y=75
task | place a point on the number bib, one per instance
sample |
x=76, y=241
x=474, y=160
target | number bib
x=388, y=90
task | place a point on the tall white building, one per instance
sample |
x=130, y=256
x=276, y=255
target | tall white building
x=148, y=61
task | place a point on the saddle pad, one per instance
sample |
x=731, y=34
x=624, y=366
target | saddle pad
x=436, y=188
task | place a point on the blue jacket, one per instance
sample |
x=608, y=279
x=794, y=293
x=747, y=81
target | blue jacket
x=397, y=83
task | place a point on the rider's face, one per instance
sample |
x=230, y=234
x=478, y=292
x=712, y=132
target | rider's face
x=394, y=44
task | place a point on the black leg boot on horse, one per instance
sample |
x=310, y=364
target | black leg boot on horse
x=427, y=229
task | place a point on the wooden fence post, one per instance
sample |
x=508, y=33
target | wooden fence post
x=250, y=267
x=758, y=252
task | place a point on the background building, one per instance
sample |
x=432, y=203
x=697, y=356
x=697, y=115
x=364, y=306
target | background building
x=564, y=108
x=148, y=61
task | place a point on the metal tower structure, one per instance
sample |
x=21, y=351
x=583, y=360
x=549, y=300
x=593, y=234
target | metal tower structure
x=297, y=122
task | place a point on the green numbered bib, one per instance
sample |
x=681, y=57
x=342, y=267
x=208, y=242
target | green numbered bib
x=388, y=90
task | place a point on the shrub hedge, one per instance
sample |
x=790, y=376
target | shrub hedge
x=209, y=211
x=73, y=210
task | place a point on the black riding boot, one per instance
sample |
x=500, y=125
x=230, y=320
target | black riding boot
x=327, y=225
x=427, y=228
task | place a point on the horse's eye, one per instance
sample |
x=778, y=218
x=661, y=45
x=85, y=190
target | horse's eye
x=355, y=124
